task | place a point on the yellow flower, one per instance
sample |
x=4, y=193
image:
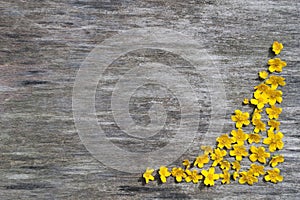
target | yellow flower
x=277, y=47
x=217, y=156
x=256, y=114
x=276, y=159
x=261, y=88
x=274, y=140
x=257, y=169
x=239, y=136
x=258, y=153
x=178, y=173
x=260, y=99
x=238, y=151
x=274, y=125
x=263, y=74
x=247, y=177
x=210, y=176
x=201, y=160
x=276, y=65
x=273, y=112
x=192, y=176
x=240, y=118
x=235, y=175
x=148, y=175
x=246, y=101
x=274, y=96
x=274, y=175
x=164, y=173
x=274, y=81
x=254, y=137
x=225, y=141
x=186, y=163
x=225, y=176
x=207, y=149
x=224, y=164
x=236, y=165
x=259, y=125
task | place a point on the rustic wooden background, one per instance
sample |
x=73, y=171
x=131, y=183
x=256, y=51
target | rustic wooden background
x=43, y=44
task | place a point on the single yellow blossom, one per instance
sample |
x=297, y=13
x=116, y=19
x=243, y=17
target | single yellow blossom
x=277, y=47
x=240, y=118
x=276, y=65
x=210, y=176
x=207, y=149
x=239, y=136
x=217, y=156
x=246, y=101
x=178, y=173
x=260, y=99
x=247, y=177
x=274, y=125
x=276, y=159
x=236, y=165
x=273, y=112
x=274, y=81
x=238, y=151
x=148, y=175
x=192, y=176
x=263, y=74
x=257, y=169
x=224, y=164
x=274, y=140
x=235, y=175
x=258, y=153
x=256, y=114
x=274, y=96
x=274, y=175
x=186, y=163
x=225, y=141
x=164, y=173
x=259, y=125
x=254, y=137
x=225, y=176
x=261, y=88
x=201, y=160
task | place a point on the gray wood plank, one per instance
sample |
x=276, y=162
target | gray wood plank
x=44, y=43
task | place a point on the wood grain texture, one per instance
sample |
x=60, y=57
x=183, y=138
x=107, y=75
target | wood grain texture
x=43, y=44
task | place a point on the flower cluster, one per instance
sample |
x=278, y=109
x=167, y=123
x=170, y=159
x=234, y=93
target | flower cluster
x=224, y=161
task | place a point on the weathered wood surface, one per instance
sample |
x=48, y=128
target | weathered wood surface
x=43, y=44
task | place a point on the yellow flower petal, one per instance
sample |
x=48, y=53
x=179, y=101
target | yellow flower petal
x=263, y=74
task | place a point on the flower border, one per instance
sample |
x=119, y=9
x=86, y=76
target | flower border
x=230, y=151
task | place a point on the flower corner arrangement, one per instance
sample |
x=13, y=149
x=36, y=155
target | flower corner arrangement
x=224, y=162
